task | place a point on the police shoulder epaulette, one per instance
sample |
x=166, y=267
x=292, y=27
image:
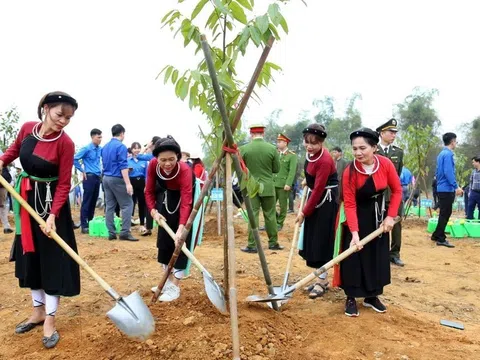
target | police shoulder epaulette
x=291, y=152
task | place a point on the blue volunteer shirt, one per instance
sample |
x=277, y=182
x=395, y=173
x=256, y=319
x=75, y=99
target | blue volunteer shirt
x=90, y=156
x=145, y=157
x=114, y=158
x=138, y=168
x=446, y=171
x=405, y=177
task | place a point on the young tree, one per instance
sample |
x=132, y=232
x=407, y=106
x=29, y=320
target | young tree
x=417, y=109
x=233, y=27
x=9, y=121
x=418, y=143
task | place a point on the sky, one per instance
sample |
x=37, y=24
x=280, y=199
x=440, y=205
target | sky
x=107, y=55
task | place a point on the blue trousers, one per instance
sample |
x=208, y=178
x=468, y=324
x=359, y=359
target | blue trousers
x=91, y=188
x=473, y=200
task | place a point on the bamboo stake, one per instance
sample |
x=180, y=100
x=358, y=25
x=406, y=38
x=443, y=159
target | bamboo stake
x=226, y=281
x=208, y=183
x=229, y=137
x=219, y=211
x=231, y=260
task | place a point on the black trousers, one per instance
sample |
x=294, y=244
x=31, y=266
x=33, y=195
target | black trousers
x=291, y=198
x=138, y=196
x=445, y=203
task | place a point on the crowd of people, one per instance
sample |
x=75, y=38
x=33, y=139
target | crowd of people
x=161, y=181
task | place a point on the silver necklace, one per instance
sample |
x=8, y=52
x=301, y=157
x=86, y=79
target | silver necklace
x=37, y=136
x=159, y=173
x=364, y=172
x=306, y=157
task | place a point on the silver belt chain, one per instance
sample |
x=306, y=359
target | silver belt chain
x=327, y=197
x=48, y=200
x=165, y=202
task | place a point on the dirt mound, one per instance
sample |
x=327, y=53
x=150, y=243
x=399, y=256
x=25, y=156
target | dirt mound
x=435, y=284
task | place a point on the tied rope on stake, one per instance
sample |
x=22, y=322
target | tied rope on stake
x=235, y=151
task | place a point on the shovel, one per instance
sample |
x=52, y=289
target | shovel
x=214, y=291
x=130, y=314
x=287, y=293
x=296, y=233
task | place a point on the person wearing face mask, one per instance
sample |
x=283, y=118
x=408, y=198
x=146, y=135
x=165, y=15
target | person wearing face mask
x=365, y=180
x=321, y=207
x=388, y=133
x=46, y=154
x=89, y=156
x=169, y=195
x=138, y=174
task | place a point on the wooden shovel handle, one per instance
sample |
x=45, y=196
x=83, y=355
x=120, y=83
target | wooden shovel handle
x=185, y=250
x=296, y=231
x=340, y=257
x=55, y=236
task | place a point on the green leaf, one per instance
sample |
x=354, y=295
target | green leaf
x=238, y=12
x=274, y=13
x=197, y=76
x=262, y=23
x=167, y=74
x=273, y=29
x=245, y=4
x=193, y=96
x=220, y=6
x=160, y=73
x=255, y=34
x=178, y=86
x=202, y=101
x=174, y=76
x=284, y=25
x=273, y=66
x=167, y=15
x=212, y=19
x=198, y=8
x=183, y=92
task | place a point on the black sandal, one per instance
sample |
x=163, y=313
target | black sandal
x=26, y=327
x=146, y=232
x=318, y=290
x=308, y=288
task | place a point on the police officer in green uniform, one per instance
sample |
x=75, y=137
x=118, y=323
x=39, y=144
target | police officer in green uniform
x=388, y=133
x=262, y=161
x=284, y=179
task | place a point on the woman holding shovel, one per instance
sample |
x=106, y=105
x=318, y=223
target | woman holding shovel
x=173, y=201
x=365, y=273
x=321, y=208
x=46, y=154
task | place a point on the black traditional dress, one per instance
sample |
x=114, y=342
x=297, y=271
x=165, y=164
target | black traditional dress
x=365, y=273
x=173, y=200
x=49, y=267
x=320, y=211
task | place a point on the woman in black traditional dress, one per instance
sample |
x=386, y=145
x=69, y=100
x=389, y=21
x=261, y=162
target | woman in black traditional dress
x=321, y=208
x=169, y=194
x=365, y=273
x=46, y=154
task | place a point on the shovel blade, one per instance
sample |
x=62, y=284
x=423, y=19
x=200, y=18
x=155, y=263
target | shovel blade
x=270, y=298
x=133, y=317
x=278, y=290
x=215, y=293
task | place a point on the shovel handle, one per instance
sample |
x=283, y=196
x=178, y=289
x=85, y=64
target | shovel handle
x=296, y=233
x=337, y=259
x=185, y=250
x=55, y=236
